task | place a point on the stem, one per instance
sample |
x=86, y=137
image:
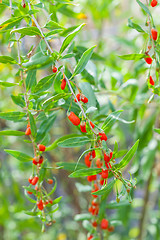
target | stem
x=37, y=25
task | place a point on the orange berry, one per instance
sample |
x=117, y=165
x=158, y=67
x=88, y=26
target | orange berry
x=63, y=84
x=83, y=127
x=28, y=131
x=148, y=59
x=103, y=136
x=92, y=125
x=104, y=174
x=41, y=147
x=29, y=192
x=151, y=81
x=154, y=34
x=50, y=181
x=74, y=119
x=40, y=205
x=54, y=69
x=154, y=3
x=35, y=180
x=106, y=158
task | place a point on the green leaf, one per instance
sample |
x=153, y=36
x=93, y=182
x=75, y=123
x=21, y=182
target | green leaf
x=19, y=155
x=38, y=60
x=110, y=120
x=29, y=198
x=135, y=26
x=87, y=225
x=30, y=31
x=33, y=125
x=69, y=38
x=30, y=79
x=70, y=166
x=134, y=56
x=83, y=216
x=18, y=100
x=51, y=25
x=83, y=61
x=157, y=130
x=12, y=116
x=7, y=59
x=11, y=133
x=144, y=7
x=54, y=188
x=10, y=23
x=128, y=156
x=74, y=142
x=44, y=84
x=115, y=205
x=45, y=127
x=7, y=84
x=85, y=172
x=57, y=200
x=105, y=190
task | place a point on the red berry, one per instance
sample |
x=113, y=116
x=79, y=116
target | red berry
x=41, y=147
x=95, y=210
x=51, y=201
x=74, y=119
x=92, y=178
x=35, y=161
x=29, y=192
x=102, y=181
x=90, y=237
x=40, y=160
x=154, y=34
x=28, y=125
x=93, y=153
x=151, y=81
x=24, y=5
x=54, y=69
x=35, y=180
x=78, y=96
x=28, y=131
x=111, y=155
x=94, y=203
x=92, y=125
x=99, y=163
x=87, y=160
x=148, y=59
x=104, y=224
x=106, y=158
x=84, y=99
x=103, y=136
x=40, y=205
x=104, y=174
x=154, y=3
x=94, y=224
x=83, y=127
x=46, y=202
x=50, y=181
x=63, y=84
x=30, y=180
x=90, y=209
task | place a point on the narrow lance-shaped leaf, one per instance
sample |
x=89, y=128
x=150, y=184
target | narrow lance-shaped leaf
x=83, y=61
x=134, y=56
x=33, y=125
x=128, y=156
x=12, y=116
x=135, y=26
x=30, y=79
x=85, y=172
x=7, y=59
x=11, y=133
x=111, y=119
x=74, y=142
x=10, y=23
x=71, y=166
x=69, y=38
x=30, y=31
x=106, y=189
x=144, y=7
x=44, y=84
x=19, y=155
x=7, y=84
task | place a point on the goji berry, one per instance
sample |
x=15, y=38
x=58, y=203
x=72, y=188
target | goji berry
x=104, y=174
x=35, y=180
x=41, y=160
x=94, y=224
x=103, y=136
x=28, y=131
x=30, y=180
x=83, y=127
x=154, y=34
x=92, y=124
x=78, y=96
x=154, y=3
x=63, y=84
x=29, y=192
x=87, y=160
x=99, y=163
x=93, y=153
x=54, y=69
x=106, y=158
x=50, y=181
x=151, y=81
x=41, y=147
x=74, y=119
x=148, y=59
x=104, y=223
x=40, y=205
x=92, y=178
